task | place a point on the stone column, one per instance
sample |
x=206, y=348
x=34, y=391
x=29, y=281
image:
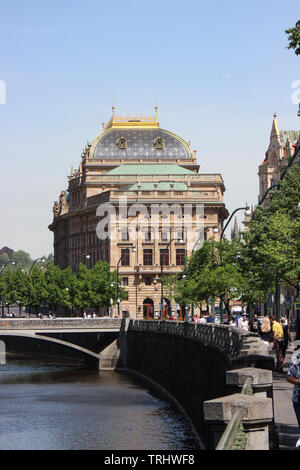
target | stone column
x=256, y=416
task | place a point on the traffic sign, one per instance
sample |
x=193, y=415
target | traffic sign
x=297, y=305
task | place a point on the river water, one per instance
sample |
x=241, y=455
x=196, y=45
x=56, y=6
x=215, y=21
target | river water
x=55, y=406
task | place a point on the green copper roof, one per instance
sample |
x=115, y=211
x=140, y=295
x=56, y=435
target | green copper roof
x=161, y=186
x=150, y=169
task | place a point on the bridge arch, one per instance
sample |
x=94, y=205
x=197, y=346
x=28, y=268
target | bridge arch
x=35, y=344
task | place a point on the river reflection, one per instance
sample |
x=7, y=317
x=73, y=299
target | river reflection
x=57, y=406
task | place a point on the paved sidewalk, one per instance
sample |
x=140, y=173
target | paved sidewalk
x=285, y=418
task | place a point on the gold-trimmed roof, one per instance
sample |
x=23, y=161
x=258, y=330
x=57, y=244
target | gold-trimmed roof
x=131, y=120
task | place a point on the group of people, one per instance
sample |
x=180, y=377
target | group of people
x=89, y=315
x=51, y=316
x=278, y=333
x=270, y=331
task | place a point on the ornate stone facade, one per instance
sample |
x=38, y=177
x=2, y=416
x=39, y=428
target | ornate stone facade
x=144, y=176
x=281, y=148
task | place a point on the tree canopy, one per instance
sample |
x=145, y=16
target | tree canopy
x=294, y=38
x=53, y=287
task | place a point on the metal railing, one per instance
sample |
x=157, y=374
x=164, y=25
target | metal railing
x=229, y=339
x=234, y=437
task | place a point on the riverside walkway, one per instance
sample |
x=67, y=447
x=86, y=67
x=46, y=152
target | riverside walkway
x=284, y=415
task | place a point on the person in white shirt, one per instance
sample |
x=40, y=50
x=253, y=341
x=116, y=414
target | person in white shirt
x=244, y=323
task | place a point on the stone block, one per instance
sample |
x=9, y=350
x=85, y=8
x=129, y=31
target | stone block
x=257, y=415
x=222, y=409
x=237, y=377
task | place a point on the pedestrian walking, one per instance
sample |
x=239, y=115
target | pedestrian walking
x=265, y=330
x=277, y=342
x=254, y=324
x=293, y=377
x=244, y=324
x=210, y=318
x=232, y=322
x=286, y=337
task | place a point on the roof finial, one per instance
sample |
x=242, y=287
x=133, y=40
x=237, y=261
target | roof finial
x=113, y=111
x=156, y=109
x=275, y=115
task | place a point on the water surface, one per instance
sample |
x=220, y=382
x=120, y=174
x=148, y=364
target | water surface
x=54, y=406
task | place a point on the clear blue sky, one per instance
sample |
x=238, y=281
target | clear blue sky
x=218, y=70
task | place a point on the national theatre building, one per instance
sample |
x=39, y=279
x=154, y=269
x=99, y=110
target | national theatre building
x=138, y=202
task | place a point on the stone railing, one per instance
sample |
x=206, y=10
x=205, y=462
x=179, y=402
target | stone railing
x=233, y=341
x=57, y=323
x=243, y=420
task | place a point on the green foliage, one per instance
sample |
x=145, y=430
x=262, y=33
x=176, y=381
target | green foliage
x=49, y=285
x=22, y=260
x=3, y=259
x=213, y=271
x=272, y=245
x=294, y=38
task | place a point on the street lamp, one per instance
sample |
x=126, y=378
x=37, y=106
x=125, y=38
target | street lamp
x=8, y=262
x=133, y=249
x=247, y=212
x=35, y=261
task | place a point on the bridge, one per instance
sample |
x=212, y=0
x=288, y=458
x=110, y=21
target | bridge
x=89, y=341
x=193, y=365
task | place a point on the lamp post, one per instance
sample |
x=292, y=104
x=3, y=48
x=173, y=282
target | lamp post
x=133, y=249
x=161, y=273
x=247, y=212
x=8, y=262
x=35, y=261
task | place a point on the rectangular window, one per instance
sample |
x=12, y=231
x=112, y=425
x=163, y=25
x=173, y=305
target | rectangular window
x=180, y=255
x=125, y=281
x=148, y=257
x=148, y=236
x=164, y=235
x=164, y=257
x=148, y=281
x=124, y=236
x=125, y=257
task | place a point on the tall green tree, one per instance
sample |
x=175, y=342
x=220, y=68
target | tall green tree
x=271, y=246
x=214, y=271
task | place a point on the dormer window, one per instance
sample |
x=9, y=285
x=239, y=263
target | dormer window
x=159, y=143
x=122, y=143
